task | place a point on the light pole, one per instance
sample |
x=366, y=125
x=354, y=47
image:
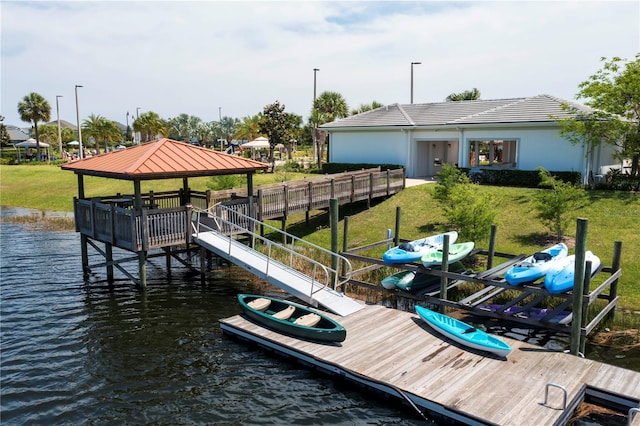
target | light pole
x=81, y=154
x=59, y=132
x=315, y=70
x=412, y=64
x=219, y=114
x=138, y=135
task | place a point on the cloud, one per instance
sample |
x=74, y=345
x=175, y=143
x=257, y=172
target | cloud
x=202, y=57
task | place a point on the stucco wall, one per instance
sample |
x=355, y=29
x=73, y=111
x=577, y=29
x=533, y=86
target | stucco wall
x=537, y=146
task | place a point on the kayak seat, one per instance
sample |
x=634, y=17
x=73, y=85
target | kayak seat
x=540, y=256
x=259, y=304
x=406, y=247
x=285, y=314
x=308, y=320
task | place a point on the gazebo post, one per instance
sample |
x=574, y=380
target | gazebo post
x=185, y=191
x=250, y=184
x=142, y=254
x=84, y=247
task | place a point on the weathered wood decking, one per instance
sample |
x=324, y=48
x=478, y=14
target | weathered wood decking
x=393, y=350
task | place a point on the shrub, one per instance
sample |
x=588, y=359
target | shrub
x=470, y=212
x=556, y=203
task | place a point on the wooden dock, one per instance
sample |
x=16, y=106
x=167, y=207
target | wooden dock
x=395, y=352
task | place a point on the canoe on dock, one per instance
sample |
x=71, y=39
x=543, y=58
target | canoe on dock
x=535, y=266
x=291, y=318
x=412, y=251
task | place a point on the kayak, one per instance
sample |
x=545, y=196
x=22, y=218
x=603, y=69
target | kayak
x=538, y=314
x=457, y=252
x=535, y=266
x=414, y=281
x=561, y=275
x=412, y=251
x=463, y=333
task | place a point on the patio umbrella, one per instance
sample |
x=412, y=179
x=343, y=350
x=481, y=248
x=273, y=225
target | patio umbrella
x=257, y=143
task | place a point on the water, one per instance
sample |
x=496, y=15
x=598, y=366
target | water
x=80, y=352
x=77, y=351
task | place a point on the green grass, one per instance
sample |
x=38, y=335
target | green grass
x=49, y=188
x=612, y=216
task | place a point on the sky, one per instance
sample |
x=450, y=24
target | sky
x=215, y=58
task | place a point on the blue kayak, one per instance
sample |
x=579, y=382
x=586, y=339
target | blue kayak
x=560, y=277
x=463, y=333
x=413, y=251
x=535, y=266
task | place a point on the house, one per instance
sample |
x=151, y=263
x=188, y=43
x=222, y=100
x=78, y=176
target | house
x=516, y=133
x=16, y=134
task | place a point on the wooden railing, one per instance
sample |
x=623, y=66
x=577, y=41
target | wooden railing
x=306, y=195
x=134, y=230
x=163, y=219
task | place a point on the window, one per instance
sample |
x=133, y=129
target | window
x=492, y=152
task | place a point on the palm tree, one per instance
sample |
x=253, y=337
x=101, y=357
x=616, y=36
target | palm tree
x=330, y=106
x=467, y=95
x=228, y=126
x=248, y=128
x=101, y=129
x=34, y=108
x=150, y=124
x=366, y=107
x=186, y=125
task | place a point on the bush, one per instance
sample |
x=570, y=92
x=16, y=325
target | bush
x=556, y=203
x=517, y=178
x=470, y=212
x=448, y=177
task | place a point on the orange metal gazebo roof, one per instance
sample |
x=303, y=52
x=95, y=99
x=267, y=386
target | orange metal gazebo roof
x=163, y=159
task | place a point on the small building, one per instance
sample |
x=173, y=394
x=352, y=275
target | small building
x=517, y=133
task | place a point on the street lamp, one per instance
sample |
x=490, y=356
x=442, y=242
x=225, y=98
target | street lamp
x=81, y=154
x=138, y=135
x=59, y=132
x=315, y=70
x=412, y=64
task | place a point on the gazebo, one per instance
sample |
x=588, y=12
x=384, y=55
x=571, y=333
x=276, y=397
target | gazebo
x=139, y=222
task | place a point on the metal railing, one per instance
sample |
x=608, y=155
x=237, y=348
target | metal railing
x=301, y=256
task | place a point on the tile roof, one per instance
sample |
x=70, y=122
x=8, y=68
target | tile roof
x=535, y=109
x=163, y=159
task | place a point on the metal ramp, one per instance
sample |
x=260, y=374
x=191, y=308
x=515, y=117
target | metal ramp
x=289, y=266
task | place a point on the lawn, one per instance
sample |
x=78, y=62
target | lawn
x=612, y=216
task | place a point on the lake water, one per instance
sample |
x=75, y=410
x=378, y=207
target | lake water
x=78, y=351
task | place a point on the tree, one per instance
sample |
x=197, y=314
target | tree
x=366, y=107
x=466, y=209
x=228, y=127
x=101, y=129
x=327, y=107
x=614, y=93
x=33, y=109
x=150, y=124
x=278, y=125
x=4, y=133
x=554, y=205
x=467, y=95
x=248, y=128
x=185, y=125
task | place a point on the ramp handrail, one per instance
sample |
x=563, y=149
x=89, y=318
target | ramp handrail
x=228, y=221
